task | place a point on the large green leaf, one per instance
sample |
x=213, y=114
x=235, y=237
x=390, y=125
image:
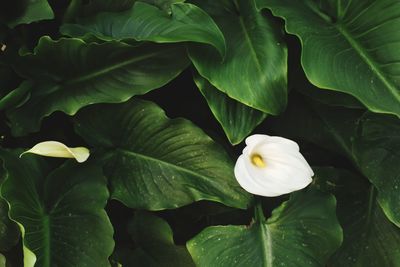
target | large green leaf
x=348, y=46
x=370, y=239
x=157, y=163
x=154, y=244
x=370, y=142
x=60, y=212
x=377, y=149
x=303, y=231
x=145, y=22
x=254, y=70
x=237, y=119
x=69, y=74
x=34, y=10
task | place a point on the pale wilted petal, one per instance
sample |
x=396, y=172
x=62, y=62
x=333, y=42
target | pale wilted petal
x=59, y=150
x=272, y=166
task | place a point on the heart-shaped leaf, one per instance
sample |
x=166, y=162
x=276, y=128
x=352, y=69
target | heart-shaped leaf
x=145, y=22
x=237, y=120
x=254, y=70
x=60, y=212
x=348, y=46
x=69, y=74
x=157, y=163
x=303, y=231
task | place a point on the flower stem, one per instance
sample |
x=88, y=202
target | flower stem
x=258, y=211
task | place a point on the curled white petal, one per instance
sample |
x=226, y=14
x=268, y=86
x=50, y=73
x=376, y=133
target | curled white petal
x=272, y=166
x=59, y=150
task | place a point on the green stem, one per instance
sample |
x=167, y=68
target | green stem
x=258, y=211
x=264, y=235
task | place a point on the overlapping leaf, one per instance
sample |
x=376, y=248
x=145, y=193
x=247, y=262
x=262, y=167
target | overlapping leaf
x=33, y=10
x=147, y=22
x=237, y=119
x=370, y=239
x=60, y=212
x=154, y=244
x=254, y=70
x=301, y=232
x=12, y=92
x=348, y=46
x=157, y=163
x=69, y=74
x=371, y=142
x=333, y=128
x=377, y=149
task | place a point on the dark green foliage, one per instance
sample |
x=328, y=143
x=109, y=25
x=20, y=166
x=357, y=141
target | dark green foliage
x=163, y=93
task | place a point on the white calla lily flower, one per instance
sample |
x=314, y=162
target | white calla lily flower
x=272, y=166
x=59, y=150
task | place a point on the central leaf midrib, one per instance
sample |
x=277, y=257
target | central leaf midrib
x=266, y=245
x=143, y=156
x=46, y=241
x=250, y=45
x=368, y=60
x=362, y=53
x=107, y=68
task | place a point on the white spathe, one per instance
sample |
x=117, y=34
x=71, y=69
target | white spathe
x=271, y=166
x=59, y=150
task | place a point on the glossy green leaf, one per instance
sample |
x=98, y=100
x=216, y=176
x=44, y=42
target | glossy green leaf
x=300, y=83
x=59, y=211
x=348, y=46
x=236, y=119
x=303, y=231
x=145, y=22
x=69, y=74
x=254, y=70
x=371, y=142
x=157, y=163
x=35, y=10
x=154, y=244
x=377, y=149
x=370, y=239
